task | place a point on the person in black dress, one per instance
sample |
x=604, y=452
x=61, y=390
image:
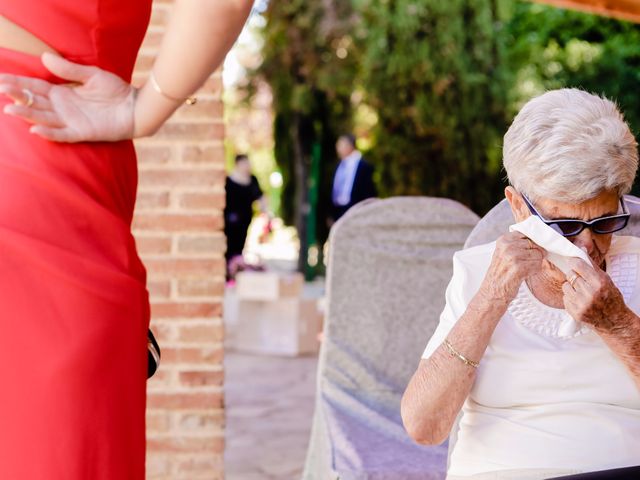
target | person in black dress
x=242, y=190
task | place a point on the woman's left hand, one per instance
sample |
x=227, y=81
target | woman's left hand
x=97, y=106
x=590, y=296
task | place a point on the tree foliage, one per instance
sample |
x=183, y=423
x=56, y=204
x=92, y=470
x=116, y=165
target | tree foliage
x=442, y=80
x=434, y=74
x=553, y=48
x=312, y=87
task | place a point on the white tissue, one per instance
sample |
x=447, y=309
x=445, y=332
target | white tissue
x=558, y=251
x=558, y=248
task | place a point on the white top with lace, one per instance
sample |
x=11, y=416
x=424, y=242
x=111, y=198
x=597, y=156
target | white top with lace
x=544, y=399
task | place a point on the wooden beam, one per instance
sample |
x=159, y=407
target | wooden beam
x=620, y=9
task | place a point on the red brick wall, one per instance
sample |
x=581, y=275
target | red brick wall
x=178, y=227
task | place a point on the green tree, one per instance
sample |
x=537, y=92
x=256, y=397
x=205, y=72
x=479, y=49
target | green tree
x=308, y=66
x=441, y=81
x=433, y=72
x=553, y=48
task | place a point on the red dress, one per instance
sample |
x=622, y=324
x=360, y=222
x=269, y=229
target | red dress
x=74, y=307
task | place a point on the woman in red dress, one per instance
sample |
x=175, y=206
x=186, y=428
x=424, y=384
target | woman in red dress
x=73, y=356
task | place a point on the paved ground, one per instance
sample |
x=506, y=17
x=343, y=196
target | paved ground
x=269, y=400
x=269, y=405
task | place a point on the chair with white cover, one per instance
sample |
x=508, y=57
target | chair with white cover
x=389, y=264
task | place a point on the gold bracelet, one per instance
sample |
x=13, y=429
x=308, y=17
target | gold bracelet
x=156, y=86
x=454, y=353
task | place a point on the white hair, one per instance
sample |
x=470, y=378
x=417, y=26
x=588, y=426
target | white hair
x=570, y=145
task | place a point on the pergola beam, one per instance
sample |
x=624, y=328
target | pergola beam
x=621, y=9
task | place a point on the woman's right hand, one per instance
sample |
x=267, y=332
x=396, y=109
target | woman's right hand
x=97, y=106
x=515, y=258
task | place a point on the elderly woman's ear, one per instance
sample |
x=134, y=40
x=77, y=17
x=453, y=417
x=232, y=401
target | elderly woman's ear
x=518, y=207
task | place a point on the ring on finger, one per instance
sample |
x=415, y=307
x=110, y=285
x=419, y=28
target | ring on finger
x=30, y=97
x=573, y=279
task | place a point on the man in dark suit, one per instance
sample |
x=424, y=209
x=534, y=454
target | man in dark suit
x=353, y=179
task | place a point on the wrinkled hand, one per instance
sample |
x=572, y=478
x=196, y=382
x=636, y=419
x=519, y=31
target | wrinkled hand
x=98, y=106
x=594, y=299
x=514, y=259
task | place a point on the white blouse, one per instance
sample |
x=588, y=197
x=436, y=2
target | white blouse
x=542, y=398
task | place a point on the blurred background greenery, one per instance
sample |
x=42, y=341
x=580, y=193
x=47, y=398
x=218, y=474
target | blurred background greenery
x=429, y=87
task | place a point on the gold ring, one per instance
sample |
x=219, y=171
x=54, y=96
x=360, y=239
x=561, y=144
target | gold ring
x=573, y=279
x=30, y=97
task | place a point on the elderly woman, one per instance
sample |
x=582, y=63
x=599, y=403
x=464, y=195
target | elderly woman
x=538, y=400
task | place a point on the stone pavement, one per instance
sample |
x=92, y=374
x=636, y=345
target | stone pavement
x=269, y=406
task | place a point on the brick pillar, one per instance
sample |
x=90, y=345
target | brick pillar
x=178, y=227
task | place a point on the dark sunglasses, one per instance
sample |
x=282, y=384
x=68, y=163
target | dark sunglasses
x=570, y=227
